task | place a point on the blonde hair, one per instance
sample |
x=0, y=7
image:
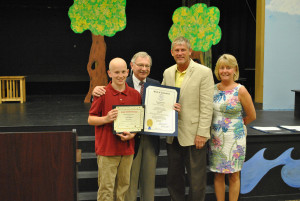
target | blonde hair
x=228, y=60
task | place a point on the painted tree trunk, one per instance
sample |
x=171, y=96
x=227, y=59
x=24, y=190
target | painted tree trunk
x=96, y=65
x=198, y=55
x=204, y=57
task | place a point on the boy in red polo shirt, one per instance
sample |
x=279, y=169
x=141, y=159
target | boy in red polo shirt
x=114, y=152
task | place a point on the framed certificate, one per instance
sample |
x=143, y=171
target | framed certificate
x=160, y=117
x=130, y=118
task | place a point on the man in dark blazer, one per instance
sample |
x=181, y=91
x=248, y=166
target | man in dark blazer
x=147, y=146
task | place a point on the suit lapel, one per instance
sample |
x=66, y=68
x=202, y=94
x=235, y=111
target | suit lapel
x=130, y=81
x=186, y=79
x=172, y=76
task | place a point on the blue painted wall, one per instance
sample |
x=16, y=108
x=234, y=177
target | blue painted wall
x=281, y=54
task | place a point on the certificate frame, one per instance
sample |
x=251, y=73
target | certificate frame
x=130, y=118
x=148, y=106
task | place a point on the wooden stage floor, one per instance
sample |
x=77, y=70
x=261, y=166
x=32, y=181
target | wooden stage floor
x=59, y=110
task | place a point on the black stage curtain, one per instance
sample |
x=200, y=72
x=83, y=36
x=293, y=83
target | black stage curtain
x=238, y=26
x=37, y=40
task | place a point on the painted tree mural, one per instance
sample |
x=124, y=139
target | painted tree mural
x=199, y=24
x=102, y=18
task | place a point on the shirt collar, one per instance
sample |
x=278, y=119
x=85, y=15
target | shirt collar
x=136, y=81
x=115, y=92
x=183, y=72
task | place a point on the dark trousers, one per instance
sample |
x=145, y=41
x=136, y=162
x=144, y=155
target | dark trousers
x=194, y=161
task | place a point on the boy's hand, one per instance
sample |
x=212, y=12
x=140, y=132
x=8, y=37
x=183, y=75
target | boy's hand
x=99, y=91
x=126, y=135
x=112, y=115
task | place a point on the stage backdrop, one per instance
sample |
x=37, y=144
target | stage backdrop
x=282, y=50
x=37, y=41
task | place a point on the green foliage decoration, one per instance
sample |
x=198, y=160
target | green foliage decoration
x=199, y=24
x=101, y=17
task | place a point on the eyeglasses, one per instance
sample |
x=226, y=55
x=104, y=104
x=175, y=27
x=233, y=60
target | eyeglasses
x=142, y=65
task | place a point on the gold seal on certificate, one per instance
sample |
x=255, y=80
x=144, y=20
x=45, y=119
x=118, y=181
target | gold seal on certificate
x=149, y=123
x=130, y=118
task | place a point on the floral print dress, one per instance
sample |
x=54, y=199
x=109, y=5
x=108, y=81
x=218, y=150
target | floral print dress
x=228, y=133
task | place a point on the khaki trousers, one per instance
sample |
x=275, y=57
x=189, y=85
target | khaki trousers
x=143, y=172
x=113, y=177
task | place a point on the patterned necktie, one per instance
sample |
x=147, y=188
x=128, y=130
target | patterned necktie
x=142, y=88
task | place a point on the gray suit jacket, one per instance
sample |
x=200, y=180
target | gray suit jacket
x=196, y=99
x=155, y=139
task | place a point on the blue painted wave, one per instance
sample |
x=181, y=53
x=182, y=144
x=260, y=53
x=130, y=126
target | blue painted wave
x=256, y=167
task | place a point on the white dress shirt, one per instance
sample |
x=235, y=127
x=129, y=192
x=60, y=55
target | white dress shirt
x=136, y=83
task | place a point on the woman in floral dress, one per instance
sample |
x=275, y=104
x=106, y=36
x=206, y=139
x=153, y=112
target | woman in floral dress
x=228, y=131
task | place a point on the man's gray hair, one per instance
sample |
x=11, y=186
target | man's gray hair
x=180, y=41
x=142, y=55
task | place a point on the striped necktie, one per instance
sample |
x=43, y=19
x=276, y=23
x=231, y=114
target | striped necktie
x=142, y=88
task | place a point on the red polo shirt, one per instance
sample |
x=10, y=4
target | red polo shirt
x=106, y=143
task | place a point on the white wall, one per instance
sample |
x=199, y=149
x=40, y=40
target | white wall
x=281, y=54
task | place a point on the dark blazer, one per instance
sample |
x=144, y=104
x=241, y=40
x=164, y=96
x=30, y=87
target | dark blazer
x=155, y=140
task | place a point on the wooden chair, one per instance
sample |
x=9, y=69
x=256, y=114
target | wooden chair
x=12, y=88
